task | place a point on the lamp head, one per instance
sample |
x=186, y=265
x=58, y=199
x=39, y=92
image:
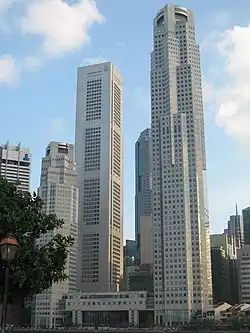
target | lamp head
x=8, y=248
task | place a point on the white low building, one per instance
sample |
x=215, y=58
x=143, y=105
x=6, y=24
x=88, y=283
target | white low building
x=221, y=311
x=80, y=303
x=89, y=309
x=47, y=311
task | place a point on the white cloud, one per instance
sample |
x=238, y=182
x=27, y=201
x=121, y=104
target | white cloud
x=92, y=61
x=32, y=62
x=59, y=26
x=62, y=27
x=57, y=125
x=9, y=71
x=232, y=96
x=4, y=5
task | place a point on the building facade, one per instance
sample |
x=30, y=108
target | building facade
x=143, y=183
x=246, y=224
x=244, y=270
x=225, y=268
x=129, y=252
x=15, y=163
x=58, y=190
x=235, y=226
x=59, y=193
x=146, y=240
x=180, y=211
x=96, y=309
x=129, y=255
x=142, y=279
x=93, y=310
x=99, y=159
x=229, y=243
x=220, y=275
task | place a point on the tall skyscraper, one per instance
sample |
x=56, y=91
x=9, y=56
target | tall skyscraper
x=225, y=248
x=99, y=159
x=143, y=182
x=220, y=276
x=182, y=258
x=229, y=243
x=146, y=240
x=244, y=267
x=15, y=165
x=58, y=190
x=246, y=224
x=235, y=226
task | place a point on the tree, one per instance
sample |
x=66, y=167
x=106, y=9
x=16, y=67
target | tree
x=34, y=268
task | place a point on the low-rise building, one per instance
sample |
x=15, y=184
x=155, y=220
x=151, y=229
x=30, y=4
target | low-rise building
x=111, y=309
x=47, y=311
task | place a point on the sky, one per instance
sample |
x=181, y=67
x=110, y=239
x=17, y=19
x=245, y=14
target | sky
x=42, y=42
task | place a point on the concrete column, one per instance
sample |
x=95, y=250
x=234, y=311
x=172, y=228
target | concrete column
x=130, y=317
x=51, y=319
x=74, y=317
x=136, y=317
x=79, y=317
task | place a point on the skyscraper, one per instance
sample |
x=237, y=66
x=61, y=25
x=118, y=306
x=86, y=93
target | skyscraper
x=235, y=226
x=225, y=247
x=58, y=190
x=182, y=258
x=143, y=182
x=246, y=224
x=244, y=267
x=15, y=165
x=99, y=159
x=220, y=276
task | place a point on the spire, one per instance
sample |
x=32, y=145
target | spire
x=236, y=209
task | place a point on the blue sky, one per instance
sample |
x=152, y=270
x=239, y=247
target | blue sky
x=43, y=43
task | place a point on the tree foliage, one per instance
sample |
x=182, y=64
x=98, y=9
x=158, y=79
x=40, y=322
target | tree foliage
x=34, y=268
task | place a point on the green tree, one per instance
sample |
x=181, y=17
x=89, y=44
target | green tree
x=34, y=268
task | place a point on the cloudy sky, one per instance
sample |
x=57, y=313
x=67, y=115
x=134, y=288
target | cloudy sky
x=42, y=42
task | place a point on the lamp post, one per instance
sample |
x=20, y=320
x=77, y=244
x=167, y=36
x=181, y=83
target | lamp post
x=8, y=249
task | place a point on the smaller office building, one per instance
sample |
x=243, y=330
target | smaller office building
x=110, y=309
x=244, y=269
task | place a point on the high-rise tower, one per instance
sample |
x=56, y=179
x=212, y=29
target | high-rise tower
x=143, y=183
x=15, y=165
x=235, y=226
x=99, y=159
x=59, y=193
x=246, y=224
x=182, y=259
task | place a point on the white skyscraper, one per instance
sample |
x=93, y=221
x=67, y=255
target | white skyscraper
x=15, y=165
x=99, y=159
x=58, y=190
x=182, y=260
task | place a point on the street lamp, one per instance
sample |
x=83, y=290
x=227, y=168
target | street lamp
x=8, y=249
